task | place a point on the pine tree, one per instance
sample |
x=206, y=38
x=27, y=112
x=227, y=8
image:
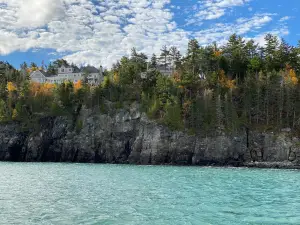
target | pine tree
x=153, y=63
x=193, y=57
x=3, y=113
x=270, y=50
x=164, y=56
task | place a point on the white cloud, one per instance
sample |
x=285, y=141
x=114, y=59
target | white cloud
x=212, y=9
x=245, y=25
x=260, y=38
x=285, y=18
x=226, y=3
x=102, y=33
x=221, y=32
x=87, y=32
x=34, y=13
x=29, y=13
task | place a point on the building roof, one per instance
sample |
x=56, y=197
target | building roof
x=89, y=69
x=76, y=69
x=64, y=66
x=44, y=73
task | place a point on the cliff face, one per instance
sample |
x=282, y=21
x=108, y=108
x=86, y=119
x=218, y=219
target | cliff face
x=129, y=137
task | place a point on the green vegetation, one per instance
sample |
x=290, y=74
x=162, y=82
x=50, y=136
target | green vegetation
x=212, y=88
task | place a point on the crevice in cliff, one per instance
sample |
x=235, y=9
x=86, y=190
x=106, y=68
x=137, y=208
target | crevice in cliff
x=45, y=156
x=127, y=149
x=24, y=153
x=15, y=148
x=150, y=159
x=247, y=137
x=99, y=154
x=167, y=158
x=190, y=158
x=15, y=152
x=75, y=156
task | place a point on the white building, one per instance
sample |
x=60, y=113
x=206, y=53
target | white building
x=94, y=76
x=166, y=70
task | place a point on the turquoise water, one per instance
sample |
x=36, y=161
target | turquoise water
x=116, y=194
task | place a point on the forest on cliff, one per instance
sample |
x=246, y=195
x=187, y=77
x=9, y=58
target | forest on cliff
x=212, y=88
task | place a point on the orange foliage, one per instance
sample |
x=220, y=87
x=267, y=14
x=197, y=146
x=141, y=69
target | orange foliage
x=293, y=77
x=34, y=88
x=43, y=89
x=47, y=88
x=225, y=82
x=290, y=76
x=78, y=85
x=32, y=69
x=217, y=53
x=11, y=87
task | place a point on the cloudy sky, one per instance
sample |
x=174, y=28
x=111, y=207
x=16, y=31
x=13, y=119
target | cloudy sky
x=101, y=31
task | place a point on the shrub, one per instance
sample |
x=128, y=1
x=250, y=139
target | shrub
x=173, y=117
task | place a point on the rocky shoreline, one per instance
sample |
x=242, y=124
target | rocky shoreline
x=129, y=137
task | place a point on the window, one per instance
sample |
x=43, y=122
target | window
x=62, y=70
x=70, y=69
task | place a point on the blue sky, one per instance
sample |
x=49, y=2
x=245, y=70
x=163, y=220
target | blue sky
x=99, y=32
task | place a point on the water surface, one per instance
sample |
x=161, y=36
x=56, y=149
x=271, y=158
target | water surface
x=42, y=193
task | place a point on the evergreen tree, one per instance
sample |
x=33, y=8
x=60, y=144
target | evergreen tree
x=193, y=58
x=164, y=56
x=153, y=63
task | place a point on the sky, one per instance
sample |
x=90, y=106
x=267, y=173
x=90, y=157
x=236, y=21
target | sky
x=100, y=32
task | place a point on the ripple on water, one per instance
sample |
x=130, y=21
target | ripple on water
x=121, y=194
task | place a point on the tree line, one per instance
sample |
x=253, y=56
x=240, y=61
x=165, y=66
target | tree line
x=212, y=88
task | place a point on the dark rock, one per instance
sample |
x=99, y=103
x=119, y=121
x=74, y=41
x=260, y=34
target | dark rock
x=129, y=137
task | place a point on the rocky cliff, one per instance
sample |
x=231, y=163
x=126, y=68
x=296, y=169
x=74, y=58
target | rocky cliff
x=129, y=137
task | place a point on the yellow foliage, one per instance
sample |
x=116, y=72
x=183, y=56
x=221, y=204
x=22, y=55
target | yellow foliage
x=11, y=87
x=225, y=82
x=78, y=85
x=44, y=89
x=116, y=78
x=293, y=76
x=290, y=76
x=14, y=114
x=294, y=80
x=34, y=88
x=217, y=53
x=231, y=84
x=32, y=69
x=66, y=82
x=47, y=88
